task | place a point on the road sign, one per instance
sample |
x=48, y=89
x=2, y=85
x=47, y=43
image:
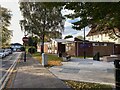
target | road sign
x=25, y=39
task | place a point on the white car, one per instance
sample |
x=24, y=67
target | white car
x=2, y=53
x=6, y=51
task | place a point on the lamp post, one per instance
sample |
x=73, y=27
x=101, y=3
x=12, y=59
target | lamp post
x=84, y=45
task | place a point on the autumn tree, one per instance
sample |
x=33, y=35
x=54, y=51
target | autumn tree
x=80, y=37
x=42, y=18
x=5, y=22
x=68, y=36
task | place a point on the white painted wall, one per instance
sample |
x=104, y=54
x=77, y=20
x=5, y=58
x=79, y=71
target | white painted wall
x=102, y=38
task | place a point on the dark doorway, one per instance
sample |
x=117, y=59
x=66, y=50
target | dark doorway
x=61, y=48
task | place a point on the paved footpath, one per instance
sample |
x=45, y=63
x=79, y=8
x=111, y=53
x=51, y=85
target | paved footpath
x=31, y=74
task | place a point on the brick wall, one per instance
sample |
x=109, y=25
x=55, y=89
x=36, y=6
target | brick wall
x=72, y=49
x=91, y=50
x=46, y=48
x=117, y=49
x=103, y=50
x=80, y=49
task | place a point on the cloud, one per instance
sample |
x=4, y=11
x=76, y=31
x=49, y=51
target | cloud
x=70, y=31
x=13, y=6
x=66, y=12
x=73, y=20
x=67, y=24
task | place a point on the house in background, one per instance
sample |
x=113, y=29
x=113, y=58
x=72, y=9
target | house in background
x=76, y=47
x=98, y=36
x=57, y=46
x=46, y=44
x=16, y=46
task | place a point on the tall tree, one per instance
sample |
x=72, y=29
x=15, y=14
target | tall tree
x=80, y=37
x=68, y=36
x=103, y=16
x=42, y=18
x=5, y=22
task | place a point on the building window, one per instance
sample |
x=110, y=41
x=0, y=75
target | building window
x=95, y=44
x=103, y=44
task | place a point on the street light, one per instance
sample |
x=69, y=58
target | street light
x=84, y=45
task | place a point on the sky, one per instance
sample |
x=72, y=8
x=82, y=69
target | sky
x=16, y=16
x=13, y=6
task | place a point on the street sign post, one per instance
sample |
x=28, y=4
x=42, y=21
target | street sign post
x=25, y=40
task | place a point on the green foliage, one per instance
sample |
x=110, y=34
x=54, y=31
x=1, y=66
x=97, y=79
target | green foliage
x=80, y=37
x=32, y=50
x=37, y=54
x=52, y=57
x=30, y=41
x=6, y=34
x=69, y=36
x=22, y=48
x=42, y=19
x=103, y=16
x=33, y=41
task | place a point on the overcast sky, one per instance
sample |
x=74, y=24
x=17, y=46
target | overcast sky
x=13, y=6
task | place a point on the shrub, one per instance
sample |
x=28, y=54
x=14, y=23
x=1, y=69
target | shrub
x=32, y=50
x=22, y=48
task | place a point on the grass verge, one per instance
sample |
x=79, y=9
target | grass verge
x=53, y=60
x=76, y=85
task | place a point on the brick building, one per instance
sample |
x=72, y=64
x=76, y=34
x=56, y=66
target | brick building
x=91, y=48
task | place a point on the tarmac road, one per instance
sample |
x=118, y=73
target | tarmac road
x=6, y=62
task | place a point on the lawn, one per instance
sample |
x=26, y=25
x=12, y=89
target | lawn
x=53, y=60
x=75, y=85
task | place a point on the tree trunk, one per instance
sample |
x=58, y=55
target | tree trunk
x=43, y=32
x=42, y=45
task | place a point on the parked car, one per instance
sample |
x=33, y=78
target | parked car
x=6, y=51
x=2, y=53
x=9, y=51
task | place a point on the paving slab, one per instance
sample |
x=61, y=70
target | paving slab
x=86, y=70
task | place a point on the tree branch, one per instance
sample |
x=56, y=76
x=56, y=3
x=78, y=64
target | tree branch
x=115, y=33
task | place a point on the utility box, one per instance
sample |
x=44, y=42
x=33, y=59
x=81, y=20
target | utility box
x=44, y=59
x=96, y=57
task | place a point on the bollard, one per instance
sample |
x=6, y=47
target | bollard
x=44, y=59
x=117, y=74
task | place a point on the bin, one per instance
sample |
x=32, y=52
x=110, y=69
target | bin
x=117, y=74
x=44, y=59
x=59, y=54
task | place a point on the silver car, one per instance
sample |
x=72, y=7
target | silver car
x=2, y=53
x=6, y=51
